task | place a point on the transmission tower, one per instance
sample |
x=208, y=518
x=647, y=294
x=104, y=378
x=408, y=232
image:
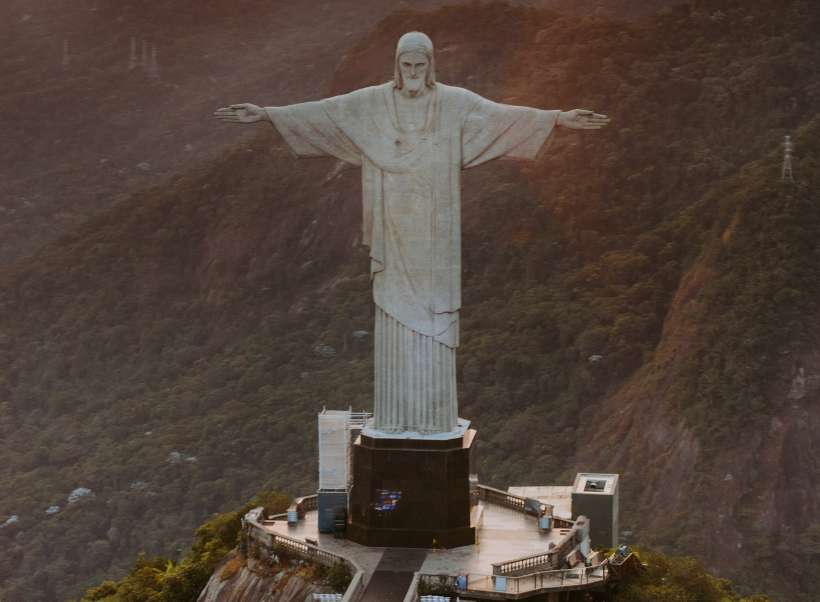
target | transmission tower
x=786, y=174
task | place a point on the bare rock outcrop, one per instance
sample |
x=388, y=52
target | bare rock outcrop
x=237, y=579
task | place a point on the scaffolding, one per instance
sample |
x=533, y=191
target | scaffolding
x=337, y=431
x=334, y=450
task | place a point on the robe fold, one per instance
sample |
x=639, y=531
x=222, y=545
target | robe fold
x=411, y=202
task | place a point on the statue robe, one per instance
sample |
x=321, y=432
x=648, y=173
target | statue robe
x=411, y=189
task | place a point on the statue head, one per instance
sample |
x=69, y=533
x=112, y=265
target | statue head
x=415, y=66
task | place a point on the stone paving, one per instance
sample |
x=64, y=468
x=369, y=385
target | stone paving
x=504, y=534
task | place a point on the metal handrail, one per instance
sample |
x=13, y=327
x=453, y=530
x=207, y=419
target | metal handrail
x=549, y=558
x=533, y=582
x=510, y=500
x=309, y=502
x=562, y=523
x=576, y=569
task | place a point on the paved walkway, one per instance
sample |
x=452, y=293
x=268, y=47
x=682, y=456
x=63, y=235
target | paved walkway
x=393, y=575
x=503, y=534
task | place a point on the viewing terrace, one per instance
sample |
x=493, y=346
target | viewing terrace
x=512, y=559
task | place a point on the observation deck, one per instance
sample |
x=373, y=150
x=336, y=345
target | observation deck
x=514, y=556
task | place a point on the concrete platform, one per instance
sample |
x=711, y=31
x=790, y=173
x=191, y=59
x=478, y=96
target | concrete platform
x=503, y=534
x=558, y=496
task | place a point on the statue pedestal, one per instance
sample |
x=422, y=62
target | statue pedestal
x=411, y=492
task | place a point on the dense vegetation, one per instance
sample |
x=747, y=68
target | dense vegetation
x=676, y=579
x=163, y=580
x=171, y=354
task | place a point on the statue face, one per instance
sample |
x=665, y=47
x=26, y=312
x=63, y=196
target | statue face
x=413, y=66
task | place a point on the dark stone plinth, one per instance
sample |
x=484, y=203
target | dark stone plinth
x=411, y=493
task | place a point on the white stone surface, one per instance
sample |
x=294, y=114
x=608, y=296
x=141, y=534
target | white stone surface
x=334, y=449
x=175, y=457
x=503, y=534
x=78, y=494
x=412, y=137
x=609, y=480
x=11, y=520
x=460, y=429
x=423, y=397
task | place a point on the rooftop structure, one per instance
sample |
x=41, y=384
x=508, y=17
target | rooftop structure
x=336, y=429
x=595, y=495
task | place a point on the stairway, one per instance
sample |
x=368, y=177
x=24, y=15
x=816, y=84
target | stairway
x=393, y=575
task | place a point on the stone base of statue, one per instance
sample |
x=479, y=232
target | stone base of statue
x=412, y=491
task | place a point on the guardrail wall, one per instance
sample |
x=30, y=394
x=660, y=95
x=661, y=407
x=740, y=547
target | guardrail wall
x=256, y=539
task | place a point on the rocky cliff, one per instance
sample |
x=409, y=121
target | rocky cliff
x=240, y=580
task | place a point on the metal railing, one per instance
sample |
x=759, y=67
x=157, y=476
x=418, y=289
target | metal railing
x=304, y=504
x=273, y=542
x=509, y=500
x=526, y=564
x=359, y=419
x=298, y=509
x=541, y=561
x=525, y=584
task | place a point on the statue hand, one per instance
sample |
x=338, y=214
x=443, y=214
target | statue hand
x=244, y=112
x=582, y=119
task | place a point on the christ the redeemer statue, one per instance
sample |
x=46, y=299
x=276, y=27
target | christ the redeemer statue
x=412, y=137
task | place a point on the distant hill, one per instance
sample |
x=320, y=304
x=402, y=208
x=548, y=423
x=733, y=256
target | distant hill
x=641, y=300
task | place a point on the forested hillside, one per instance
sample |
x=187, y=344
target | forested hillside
x=642, y=299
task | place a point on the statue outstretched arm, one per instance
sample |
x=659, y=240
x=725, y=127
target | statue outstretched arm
x=243, y=112
x=581, y=119
x=494, y=130
x=306, y=127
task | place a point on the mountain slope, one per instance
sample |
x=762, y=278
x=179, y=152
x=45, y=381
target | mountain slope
x=726, y=410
